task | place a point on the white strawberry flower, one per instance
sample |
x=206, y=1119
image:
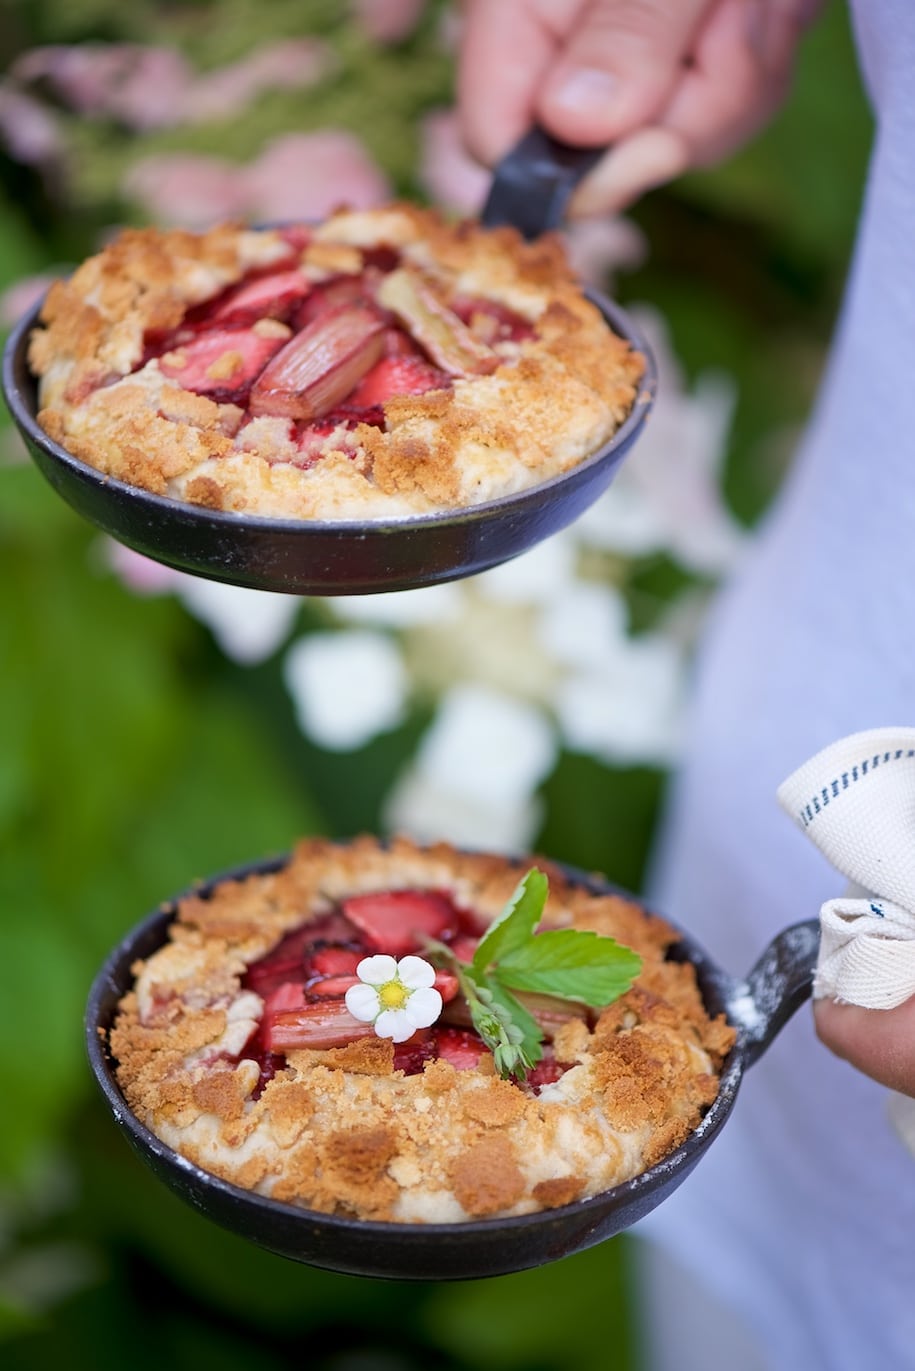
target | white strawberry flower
x=397, y=997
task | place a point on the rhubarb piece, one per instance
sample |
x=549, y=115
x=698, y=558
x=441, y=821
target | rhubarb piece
x=550, y=1011
x=222, y=365
x=397, y=921
x=397, y=376
x=325, y=1024
x=321, y=365
x=462, y=1049
x=267, y=297
x=437, y=329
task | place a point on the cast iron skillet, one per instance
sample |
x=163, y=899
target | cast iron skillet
x=758, y=1007
x=530, y=190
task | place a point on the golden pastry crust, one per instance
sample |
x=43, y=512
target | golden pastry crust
x=341, y=1130
x=540, y=404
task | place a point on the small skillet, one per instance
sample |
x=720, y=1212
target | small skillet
x=758, y=1008
x=530, y=190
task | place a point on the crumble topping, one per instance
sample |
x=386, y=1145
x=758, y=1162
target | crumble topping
x=384, y=364
x=422, y=1131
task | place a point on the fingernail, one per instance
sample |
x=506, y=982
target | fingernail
x=586, y=90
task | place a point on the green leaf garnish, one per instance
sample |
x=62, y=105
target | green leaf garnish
x=515, y=925
x=566, y=963
x=573, y=964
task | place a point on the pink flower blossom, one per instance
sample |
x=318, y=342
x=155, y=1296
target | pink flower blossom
x=387, y=21
x=19, y=298
x=447, y=171
x=306, y=175
x=599, y=247
x=187, y=190
x=28, y=130
x=290, y=65
x=144, y=87
x=140, y=574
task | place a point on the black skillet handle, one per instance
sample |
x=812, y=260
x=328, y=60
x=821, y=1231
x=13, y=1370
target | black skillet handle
x=779, y=984
x=533, y=183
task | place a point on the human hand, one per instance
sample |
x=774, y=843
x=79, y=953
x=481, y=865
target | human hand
x=879, y=1042
x=671, y=84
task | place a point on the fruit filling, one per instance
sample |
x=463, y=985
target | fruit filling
x=303, y=982
x=329, y=355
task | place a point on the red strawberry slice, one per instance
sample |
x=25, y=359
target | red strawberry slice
x=222, y=365
x=462, y=1050
x=410, y=1057
x=329, y=296
x=335, y=961
x=332, y=987
x=491, y=321
x=267, y=297
x=296, y=235
x=545, y=1072
x=328, y=1023
x=397, y=376
x=285, y=998
x=382, y=258
x=320, y=366
x=464, y=947
x=395, y=921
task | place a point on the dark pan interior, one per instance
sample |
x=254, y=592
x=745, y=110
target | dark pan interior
x=323, y=558
x=403, y=1251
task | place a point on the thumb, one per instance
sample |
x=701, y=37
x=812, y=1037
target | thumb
x=618, y=67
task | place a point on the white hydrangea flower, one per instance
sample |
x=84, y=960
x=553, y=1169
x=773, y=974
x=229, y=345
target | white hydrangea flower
x=395, y=997
x=346, y=687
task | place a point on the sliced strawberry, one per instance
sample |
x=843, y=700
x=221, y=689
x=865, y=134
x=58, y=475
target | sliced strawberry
x=267, y=297
x=399, y=344
x=334, y=960
x=491, y=321
x=446, y=983
x=327, y=1023
x=462, y=1049
x=410, y=1057
x=383, y=257
x=332, y=987
x=464, y=947
x=329, y=296
x=222, y=365
x=395, y=921
x=296, y=235
x=545, y=1072
x=289, y=960
x=437, y=329
x=397, y=376
x=320, y=366
x=285, y=998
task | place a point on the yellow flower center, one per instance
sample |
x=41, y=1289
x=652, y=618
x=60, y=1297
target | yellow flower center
x=393, y=995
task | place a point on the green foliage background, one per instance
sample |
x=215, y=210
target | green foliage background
x=134, y=757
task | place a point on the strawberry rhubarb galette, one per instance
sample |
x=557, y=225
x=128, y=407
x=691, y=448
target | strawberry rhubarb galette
x=415, y=1034
x=383, y=364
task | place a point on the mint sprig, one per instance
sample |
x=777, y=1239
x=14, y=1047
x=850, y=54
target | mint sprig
x=566, y=963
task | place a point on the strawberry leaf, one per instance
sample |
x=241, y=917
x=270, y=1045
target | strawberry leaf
x=572, y=963
x=515, y=925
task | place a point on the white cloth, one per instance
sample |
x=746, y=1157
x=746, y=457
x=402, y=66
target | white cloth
x=855, y=800
x=802, y=1216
